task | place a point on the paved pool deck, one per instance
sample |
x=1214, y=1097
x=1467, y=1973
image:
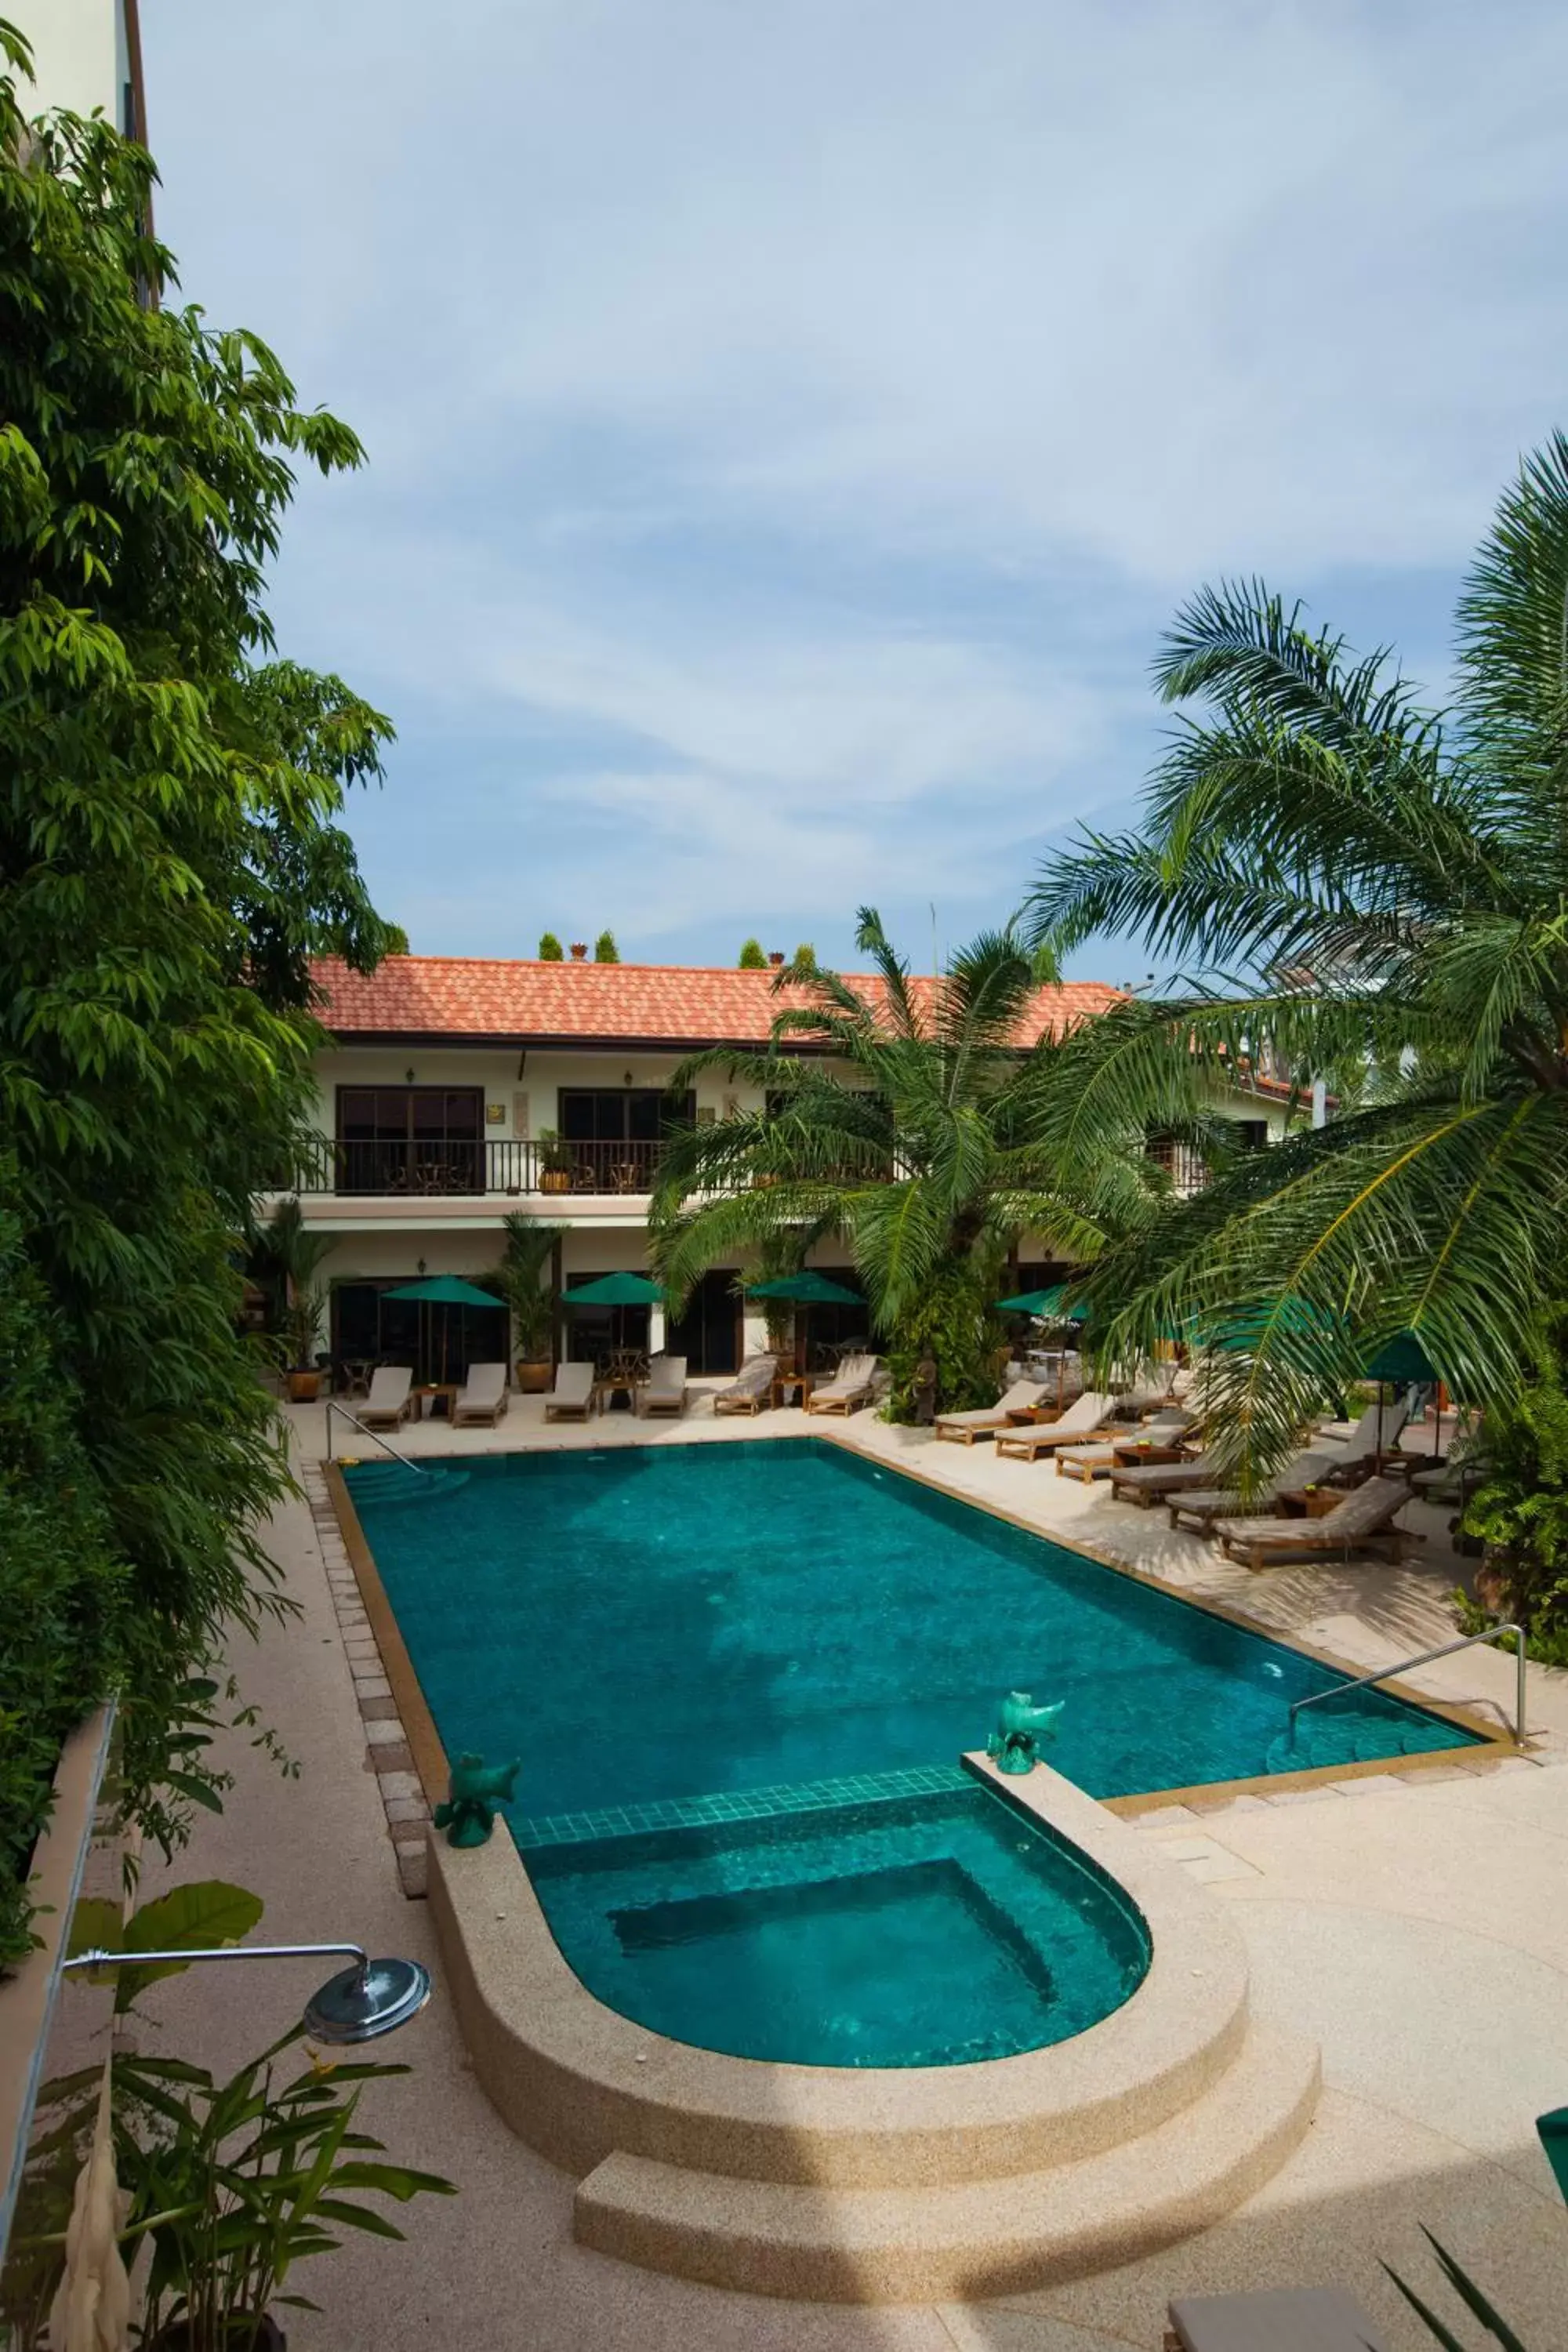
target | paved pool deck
x=1416, y=1926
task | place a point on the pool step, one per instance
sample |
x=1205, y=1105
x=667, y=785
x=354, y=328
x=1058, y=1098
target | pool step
x=968, y=2239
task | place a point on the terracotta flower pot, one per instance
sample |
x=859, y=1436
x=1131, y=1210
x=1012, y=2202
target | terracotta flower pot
x=304, y=1388
x=534, y=1374
x=555, y=1180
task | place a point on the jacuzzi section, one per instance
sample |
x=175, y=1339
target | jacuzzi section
x=921, y=1930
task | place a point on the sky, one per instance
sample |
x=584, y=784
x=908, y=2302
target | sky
x=790, y=424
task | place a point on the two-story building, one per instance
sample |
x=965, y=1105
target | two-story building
x=458, y=1090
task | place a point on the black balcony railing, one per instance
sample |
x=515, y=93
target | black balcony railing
x=434, y=1167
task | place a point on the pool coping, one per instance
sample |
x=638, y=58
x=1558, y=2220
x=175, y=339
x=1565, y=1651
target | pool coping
x=432, y=1767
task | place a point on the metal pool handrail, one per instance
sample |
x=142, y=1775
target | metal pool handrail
x=1466, y=1642
x=354, y=1419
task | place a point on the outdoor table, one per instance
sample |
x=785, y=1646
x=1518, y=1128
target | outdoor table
x=1130, y=1454
x=429, y=1391
x=785, y=1382
x=1314, y=1503
x=1023, y=1416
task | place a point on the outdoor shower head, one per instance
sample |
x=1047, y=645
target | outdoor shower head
x=371, y=1998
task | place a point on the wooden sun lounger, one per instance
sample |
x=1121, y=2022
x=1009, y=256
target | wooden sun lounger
x=1203, y=1505
x=1078, y=1422
x=985, y=1420
x=482, y=1397
x=664, y=1391
x=1086, y=1462
x=389, y=1402
x=854, y=1387
x=571, y=1398
x=1362, y=1522
x=751, y=1388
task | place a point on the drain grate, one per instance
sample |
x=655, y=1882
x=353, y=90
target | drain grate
x=739, y=1805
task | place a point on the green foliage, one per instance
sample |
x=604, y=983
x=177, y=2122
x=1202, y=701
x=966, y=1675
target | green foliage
x=550, y=950
x=170, y=859
x=605, y=948
x=953, y=1325
x=1520, y=1509
x=191, y=1917
x=67, y=1632
x=520, y=1279
x=233, y=2183
x=1478, y=2305
x=927, y=1136
x=1379, y=892
x=750, y=958
x=396, y=940
x=804, y=963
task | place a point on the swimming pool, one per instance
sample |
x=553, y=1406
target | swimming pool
x=738, y=1677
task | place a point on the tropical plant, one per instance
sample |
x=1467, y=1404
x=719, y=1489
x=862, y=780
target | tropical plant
x=232, y=2184
x=1362, y=888
x=520, y=1280
x=1475, y=2302
x=170, y=863
x=549, y=948
x=925, y=1126
x=803, y=963
x=293, y=1254
x=555, y=1152
x=605, y=948
x=1520, y=1508
x=751, y=957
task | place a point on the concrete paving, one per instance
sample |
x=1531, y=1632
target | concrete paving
x=1416, y=1929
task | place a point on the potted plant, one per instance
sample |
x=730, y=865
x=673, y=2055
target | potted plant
x=293, y=1254
x=521, y=1280
x=554, y=1162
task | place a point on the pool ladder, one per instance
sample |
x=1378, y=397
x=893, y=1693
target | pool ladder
x=1466, y=1642
x=355, y=1422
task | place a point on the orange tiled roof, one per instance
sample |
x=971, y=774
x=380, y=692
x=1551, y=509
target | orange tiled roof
x=524, y=1003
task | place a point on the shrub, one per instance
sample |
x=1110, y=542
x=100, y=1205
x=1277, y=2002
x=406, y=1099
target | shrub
x=751, y=957
x=1521, y=1510
x=605, y=948
x=62, y=1592
x=550, y=950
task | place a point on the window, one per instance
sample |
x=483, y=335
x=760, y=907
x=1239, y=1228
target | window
x=1251, y=1134
x=410, y=1140
x=615, y=1133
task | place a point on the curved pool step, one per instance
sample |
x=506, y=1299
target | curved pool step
x=388, y=1483
x=970, y=2240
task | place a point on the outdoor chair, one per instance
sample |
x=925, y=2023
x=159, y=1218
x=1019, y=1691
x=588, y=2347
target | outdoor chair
x=571, y=1398
x=1283, y=2320
x=1084, y=1415
x=389, y=1402
x=985, y=1420
x=1202, y=1506
x=664, y=1391
x=1378, y=1429
x=1362, y=1522
x=851, y=1387
x=482, y=1396
x=751, y=1389
x=1088, y=1462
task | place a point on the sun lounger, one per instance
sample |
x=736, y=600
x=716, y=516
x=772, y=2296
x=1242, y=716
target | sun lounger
x=1086, y=1462
x=1027, y=1445
x=664, y=1391
x=1362, y=1438
x=1285, y=2319
x=1362, y=1522
x=851, y=1386
x=751, y=1389
x=985, y=1420
x=389, y=1402
x=482, y=1396
x=1202, y=1506
x=571, y=1398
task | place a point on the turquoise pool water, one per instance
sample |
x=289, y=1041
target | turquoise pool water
x=922, y=1931
x=738, y=1678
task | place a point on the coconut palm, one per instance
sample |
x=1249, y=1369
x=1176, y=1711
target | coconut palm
x=1357, y=885
x=926, y=1130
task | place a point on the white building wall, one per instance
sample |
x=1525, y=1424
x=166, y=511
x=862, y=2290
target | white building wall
x=80, y=56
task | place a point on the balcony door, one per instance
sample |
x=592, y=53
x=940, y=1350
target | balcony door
x=411, y=1140
x=614, y=1134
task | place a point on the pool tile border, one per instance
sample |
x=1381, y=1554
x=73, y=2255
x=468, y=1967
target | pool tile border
x=534, y=1832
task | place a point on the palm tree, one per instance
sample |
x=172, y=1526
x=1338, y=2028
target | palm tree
x=926, y=1133
x=1358, y=886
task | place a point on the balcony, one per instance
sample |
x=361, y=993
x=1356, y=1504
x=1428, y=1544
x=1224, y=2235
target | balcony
x=453, y=1167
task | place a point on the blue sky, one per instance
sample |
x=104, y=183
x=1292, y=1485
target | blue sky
x=790, y=426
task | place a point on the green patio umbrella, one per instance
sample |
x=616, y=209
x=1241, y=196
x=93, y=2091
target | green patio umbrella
x=615, y=1290
x=444, y=1290
x=805, y=1289
x=1047, y=1303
